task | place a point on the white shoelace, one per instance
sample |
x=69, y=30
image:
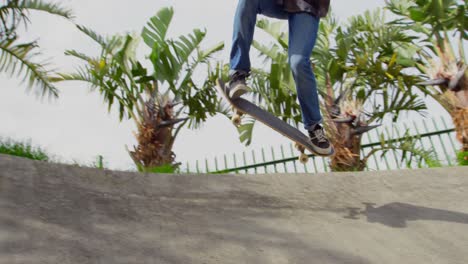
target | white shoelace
x=320, y=136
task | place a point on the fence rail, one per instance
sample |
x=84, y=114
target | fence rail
x=433, y=135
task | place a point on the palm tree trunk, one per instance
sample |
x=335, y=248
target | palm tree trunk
x=155, y=138
x=459, y=112
x=347, y=150
x=460, y=120
x=154, y=148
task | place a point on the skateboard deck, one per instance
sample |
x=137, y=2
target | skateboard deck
x=246, y=107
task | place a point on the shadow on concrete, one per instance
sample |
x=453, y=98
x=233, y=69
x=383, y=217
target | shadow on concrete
x=62, y=222
x=398, y=214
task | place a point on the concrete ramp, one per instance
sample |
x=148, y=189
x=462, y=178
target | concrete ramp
x=63, y=214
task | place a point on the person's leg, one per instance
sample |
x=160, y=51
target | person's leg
x=244, y=27
x=303, y=30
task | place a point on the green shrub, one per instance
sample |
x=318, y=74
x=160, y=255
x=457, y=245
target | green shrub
x=462, y=157
x=168, y=168
x=22, y=149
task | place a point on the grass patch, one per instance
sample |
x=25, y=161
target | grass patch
x=22, y=149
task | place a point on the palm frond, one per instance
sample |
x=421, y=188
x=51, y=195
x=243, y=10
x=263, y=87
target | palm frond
x=81, y=75
x=156, y=29
x=246, y=130
x=275, y=30
x=101, y=40
x=10, y=17
x=123, y=51
x=78, y=55
x=203, y=55
x=51, y=8
x=16, y=59
x=184, y=46
x=273, y=52
x=14, y=12
x=410, y=152
x=172, y=57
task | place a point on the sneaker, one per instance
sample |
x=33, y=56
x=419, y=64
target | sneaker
x=320, y=142
x=237, y=84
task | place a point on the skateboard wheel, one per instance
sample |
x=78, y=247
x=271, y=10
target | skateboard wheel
x=236, y=120
x=239, y=113
x=299, y=147
x=303, y=158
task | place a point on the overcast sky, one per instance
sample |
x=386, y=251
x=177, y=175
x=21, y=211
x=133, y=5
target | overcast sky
x=77, y=125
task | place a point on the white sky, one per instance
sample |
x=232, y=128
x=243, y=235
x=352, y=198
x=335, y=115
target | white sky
x=77, y=127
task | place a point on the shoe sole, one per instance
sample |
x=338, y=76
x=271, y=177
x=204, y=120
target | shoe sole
x=238, y=91
x=324, y=152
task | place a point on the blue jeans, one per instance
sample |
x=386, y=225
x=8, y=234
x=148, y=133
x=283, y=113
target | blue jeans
x=303, y=29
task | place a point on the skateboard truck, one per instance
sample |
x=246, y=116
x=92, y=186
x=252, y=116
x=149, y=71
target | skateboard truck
x=303, y=158
x=237, y=117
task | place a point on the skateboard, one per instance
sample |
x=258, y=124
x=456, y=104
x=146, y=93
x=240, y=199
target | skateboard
x=242, y=106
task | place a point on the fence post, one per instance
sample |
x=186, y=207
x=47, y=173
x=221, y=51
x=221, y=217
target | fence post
x=393, y=151
x=377, y=132
x=430, y=140
x=245, y=162
x=292, y=155
x=264, y=160
x=235, y=161
x=225, y=162
x=314, y=160
x=450, y=138
x=216, y=164
x=273, y=156
x=254, y=160
x=207, y=170
x=373, y=156
x=283, y=157
x=443, y=145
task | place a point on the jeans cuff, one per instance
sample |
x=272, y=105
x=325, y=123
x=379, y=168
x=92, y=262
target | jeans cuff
x=244, y=72
x=312, y=126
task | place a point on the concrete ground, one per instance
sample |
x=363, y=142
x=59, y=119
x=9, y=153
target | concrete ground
x=52, y=213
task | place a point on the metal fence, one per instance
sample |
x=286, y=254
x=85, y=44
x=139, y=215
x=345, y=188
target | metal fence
x=433, y=135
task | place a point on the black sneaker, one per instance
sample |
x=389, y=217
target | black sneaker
x=320, y=142
x=237, y=84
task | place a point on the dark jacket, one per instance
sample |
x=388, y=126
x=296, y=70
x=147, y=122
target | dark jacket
x=315, y=7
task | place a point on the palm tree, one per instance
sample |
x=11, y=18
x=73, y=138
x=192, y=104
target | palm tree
x=160, y=103
x=440, y=24
x=18, y=58
x=363, y=77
